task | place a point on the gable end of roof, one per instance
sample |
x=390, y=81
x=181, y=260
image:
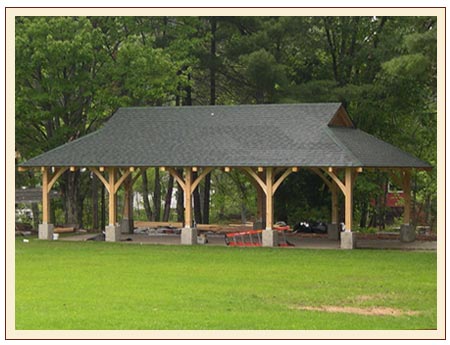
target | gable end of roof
x=341, y=119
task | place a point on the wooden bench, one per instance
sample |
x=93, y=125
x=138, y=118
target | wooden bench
x=154, y=225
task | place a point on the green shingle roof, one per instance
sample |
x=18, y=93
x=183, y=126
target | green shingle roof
x=240, y=135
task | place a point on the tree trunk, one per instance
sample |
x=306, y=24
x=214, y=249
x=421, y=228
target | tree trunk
x=243, y=213
x=147, y=208
x=428, y=210
x=212, y=65
x=414, y=213
x=157, y=197
x=206, y=198
x=71, y=193
x=180, y=199
x=197, y=203
x=127, y=212
x=259, y=96
x=94, y=185
x=103, y=209
x=168, y=200
x=180, y=203
x=382, y=207
x=282, y=214
x=188, y=90
x=212, y=101
x=35, y=210
x=52, y=212
x=80, y=211
x=364, y=212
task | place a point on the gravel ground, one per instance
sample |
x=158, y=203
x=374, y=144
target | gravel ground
x=299, y=240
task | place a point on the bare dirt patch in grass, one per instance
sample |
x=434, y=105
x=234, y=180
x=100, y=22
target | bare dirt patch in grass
x=371, y=311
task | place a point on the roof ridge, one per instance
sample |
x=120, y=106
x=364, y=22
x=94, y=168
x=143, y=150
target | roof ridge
x=230, y=105
x=341, y=144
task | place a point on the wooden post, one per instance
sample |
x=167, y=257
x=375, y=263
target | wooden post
x=334, y=203
x=259, y=202
x=348, y=199
x=407, y=196
x=187, y=197
x=112, y=196
x=269, y=198
x=45, y=196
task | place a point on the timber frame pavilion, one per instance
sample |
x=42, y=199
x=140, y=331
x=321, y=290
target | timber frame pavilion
x=266, y=142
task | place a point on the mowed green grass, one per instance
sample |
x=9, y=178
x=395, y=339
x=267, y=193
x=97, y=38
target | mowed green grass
x=98, y=285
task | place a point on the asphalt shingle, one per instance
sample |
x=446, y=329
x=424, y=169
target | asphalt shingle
x=241, y=135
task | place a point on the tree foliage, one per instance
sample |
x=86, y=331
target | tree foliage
x=72, y=73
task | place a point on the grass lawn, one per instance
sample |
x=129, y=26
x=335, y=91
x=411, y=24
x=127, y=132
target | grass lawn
x=98, y=285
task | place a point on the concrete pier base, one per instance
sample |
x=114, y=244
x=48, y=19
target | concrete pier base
x=46, y=231
x=112, y=233
x=333, y=232
x=407, y=233
x=270, y=238
x=348, y=240
x=126, y=226
x=188, y=236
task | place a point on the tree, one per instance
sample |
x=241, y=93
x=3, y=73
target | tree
x=58, y=80
x=72, y=73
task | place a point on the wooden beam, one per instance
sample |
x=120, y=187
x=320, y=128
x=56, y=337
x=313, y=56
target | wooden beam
x=73, y=169
x=101, y=169
x=112, y=196
x=187, y=197
x=121, y=179
x=332, y=186
x=260, y=169
x=260, y=194
x=227, y=169
x=177, y=177
x=294, y=169
x=269, y=198
x=280, y=180
x=407, y=196
x=348, y=199
x=194, y=169
x=338, y=181
x=22, y=169
x=55, y=176
x=45, y=197
x=255, y=176
x=205, y=172
x=322, y=176
x=100, y=177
